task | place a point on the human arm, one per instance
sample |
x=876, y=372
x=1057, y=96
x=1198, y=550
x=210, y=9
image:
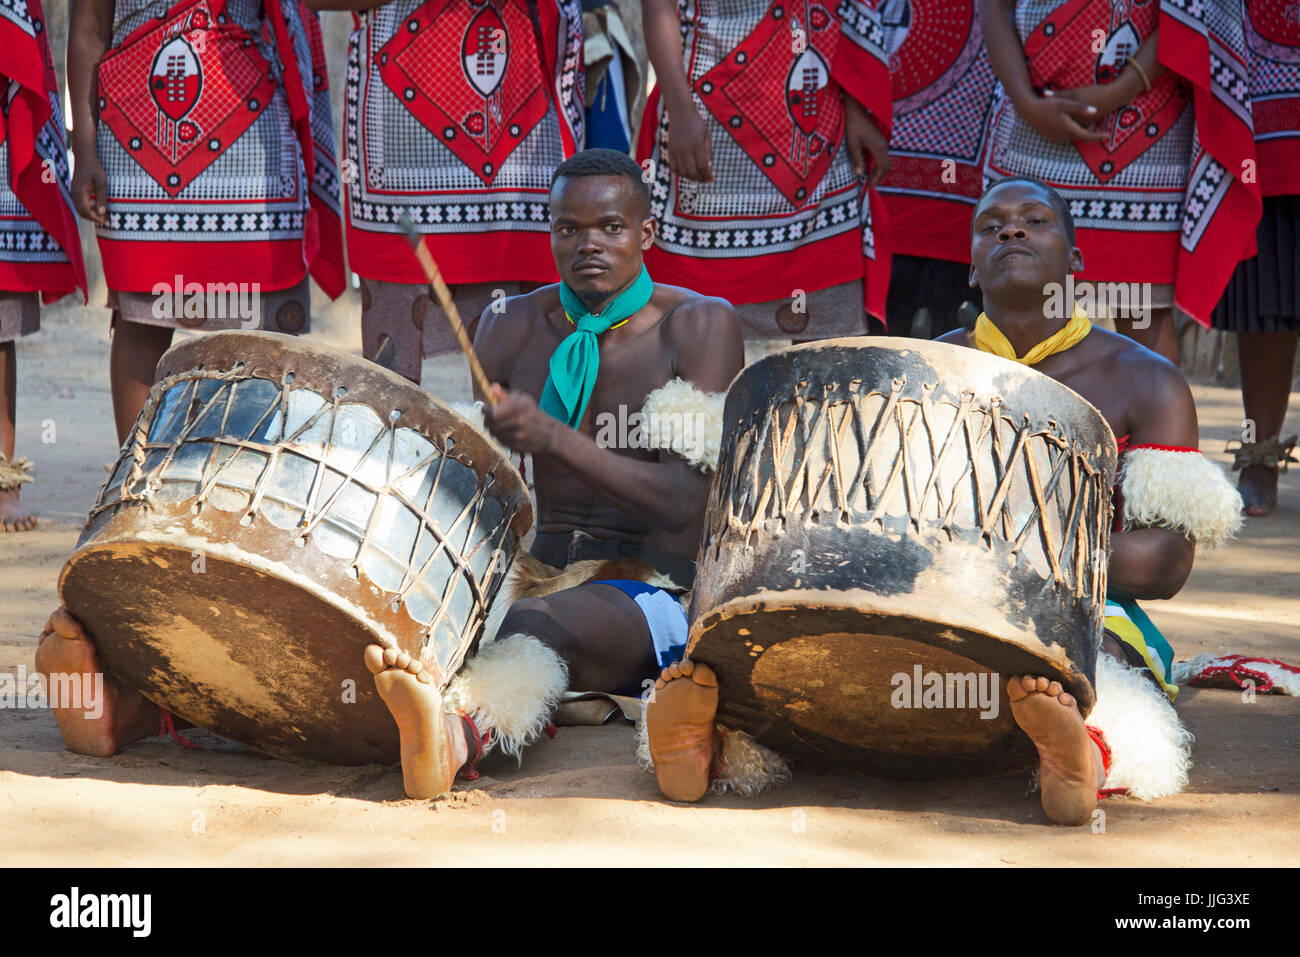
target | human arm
x=1149, y=560
x=1060, y=118
x=864, y=138
x=1125, y=88
x=90, y=34
x=690, y=151
x=667, y=491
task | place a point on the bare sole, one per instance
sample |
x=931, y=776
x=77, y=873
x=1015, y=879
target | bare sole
x=679, y=724
x=1069, y=764
x=429, y=738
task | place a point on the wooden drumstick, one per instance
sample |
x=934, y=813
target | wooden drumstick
x=434, y=276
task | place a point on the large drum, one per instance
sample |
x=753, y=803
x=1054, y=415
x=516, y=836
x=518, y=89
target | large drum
x=279, y=506
x=895, y=528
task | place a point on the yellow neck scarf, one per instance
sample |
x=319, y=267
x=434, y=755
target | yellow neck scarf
x=989, y=338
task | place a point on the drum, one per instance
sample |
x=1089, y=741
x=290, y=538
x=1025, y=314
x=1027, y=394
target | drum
x=895, y=527
x=279, y=506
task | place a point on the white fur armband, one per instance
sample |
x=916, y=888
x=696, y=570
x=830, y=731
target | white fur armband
x=681, y=419
x=1181, y=490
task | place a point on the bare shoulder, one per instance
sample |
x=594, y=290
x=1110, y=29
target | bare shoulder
x=1160, y=407
x=506, y=326
x=693, y=317
x=704, y=335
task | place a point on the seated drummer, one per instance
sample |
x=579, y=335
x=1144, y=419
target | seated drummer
x=1169, y=499
x=573, y=364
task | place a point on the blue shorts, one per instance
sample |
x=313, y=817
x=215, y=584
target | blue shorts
x=663, y=613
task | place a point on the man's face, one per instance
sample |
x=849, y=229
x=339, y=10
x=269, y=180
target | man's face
x=599, y=232
x=1019, y=245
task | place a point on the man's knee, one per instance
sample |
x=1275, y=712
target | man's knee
x=536, y=617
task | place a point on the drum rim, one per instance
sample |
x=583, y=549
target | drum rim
x=424, y=413
x=928, y=348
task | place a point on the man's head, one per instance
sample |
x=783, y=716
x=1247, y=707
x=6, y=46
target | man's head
x=600, y=223
x=1022, y=240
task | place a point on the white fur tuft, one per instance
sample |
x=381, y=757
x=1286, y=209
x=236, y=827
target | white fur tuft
x=511, y=686
x=745, y=768
x=1151, y=751
x=686, y=421
x=1182, y=490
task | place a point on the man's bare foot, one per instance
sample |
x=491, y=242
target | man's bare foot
x=434, y=744
x=1069, y=764
x=13, y=517
x=110, y=715
x=1258, y=487
x=679, y=724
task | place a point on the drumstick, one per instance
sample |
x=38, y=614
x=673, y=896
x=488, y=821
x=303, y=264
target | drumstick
x=434, y=275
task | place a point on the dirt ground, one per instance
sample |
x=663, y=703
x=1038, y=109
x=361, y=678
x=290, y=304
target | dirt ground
x=580, y=799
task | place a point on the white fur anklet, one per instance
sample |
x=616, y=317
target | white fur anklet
x=1151, y=751
x=746, y=767
x=509, y=688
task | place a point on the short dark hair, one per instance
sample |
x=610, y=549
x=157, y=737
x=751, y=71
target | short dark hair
x=602, y=162
x=1054, y=198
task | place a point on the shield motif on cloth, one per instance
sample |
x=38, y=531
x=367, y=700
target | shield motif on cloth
x=1055, y=61
x=180, y=91
x=472, y=75
x=773, y=93
x=935, y=32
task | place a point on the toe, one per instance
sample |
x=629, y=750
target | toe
x=65, y=626
x=674, y=670
x=390, y=656
x=1040, y=684
x=402, y=660
x=686, y=666
x=374, y=657
x=1054, y=689
x=1066, y=699
x=415, y=666
x=704, y=676
x=424, y=676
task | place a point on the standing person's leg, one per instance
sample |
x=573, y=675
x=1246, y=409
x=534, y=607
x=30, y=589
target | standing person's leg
x=1267, y=363
x=19, y=316
x=133, y=357
x=1159, y=336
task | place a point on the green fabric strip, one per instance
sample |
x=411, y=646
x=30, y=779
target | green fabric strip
x=576, y=361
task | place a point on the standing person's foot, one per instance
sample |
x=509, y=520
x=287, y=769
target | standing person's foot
x=13, y=517
x=108, y=715
x=679, y=723
x=1258, y=488
x=1070, y=768
x=434, y=744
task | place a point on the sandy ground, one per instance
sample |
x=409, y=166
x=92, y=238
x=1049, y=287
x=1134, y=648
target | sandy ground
x=580, y=799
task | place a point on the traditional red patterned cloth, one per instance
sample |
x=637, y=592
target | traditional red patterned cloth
x=457, y=115
x=40, y=248
x=217, y=144
x=1273, y=54
x=943, y=86
x=785, y=208
x=1164, y=199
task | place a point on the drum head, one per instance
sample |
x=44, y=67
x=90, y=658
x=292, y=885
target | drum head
x=885, y=694
x=234, y=648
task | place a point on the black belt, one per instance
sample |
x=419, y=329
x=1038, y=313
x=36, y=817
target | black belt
x=559, y=549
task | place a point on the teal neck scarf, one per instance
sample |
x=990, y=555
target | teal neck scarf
x=576, y=361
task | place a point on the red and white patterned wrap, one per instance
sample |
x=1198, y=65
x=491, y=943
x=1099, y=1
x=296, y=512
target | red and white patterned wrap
x=216, y=141
x=943, y=89
x=457, y=115
x=1165, y=198
x=40, y=249
x=785, y=208
x=1273, y=56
